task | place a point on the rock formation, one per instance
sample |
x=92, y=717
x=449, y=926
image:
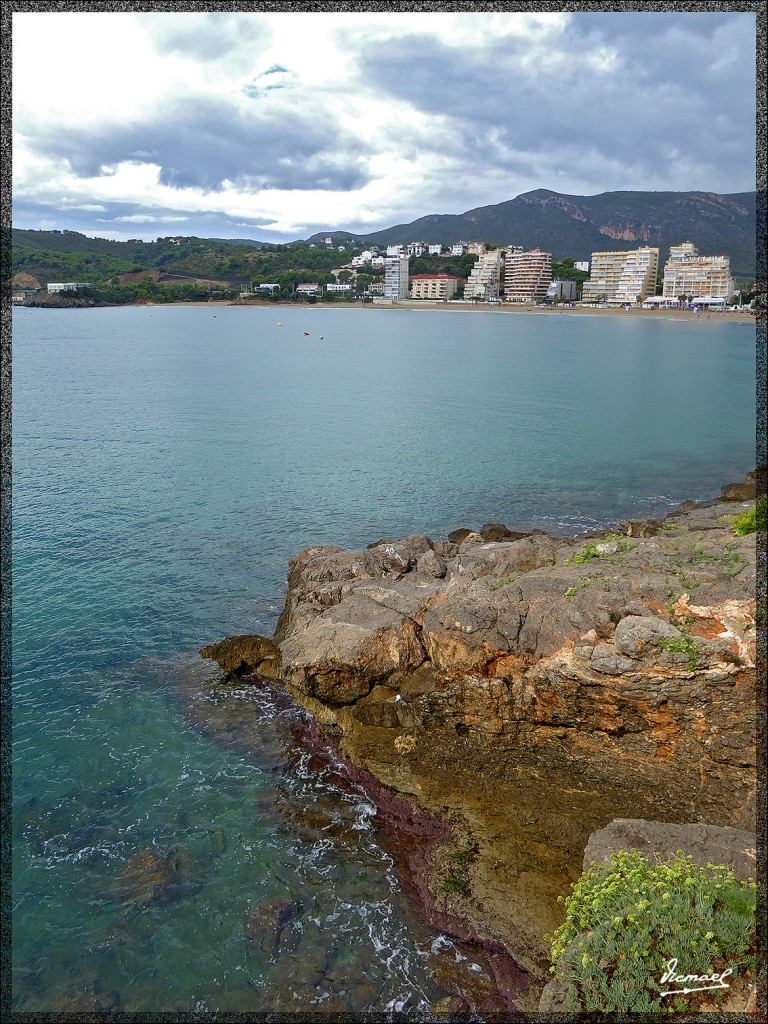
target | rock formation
x=524, y=692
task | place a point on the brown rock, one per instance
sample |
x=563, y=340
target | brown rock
x=537, y=701
x=499, y=532
x=339, y=655
x=433, y=563
x=245, y=655
x=746, y=491
x=641, y=527
x=457, y=536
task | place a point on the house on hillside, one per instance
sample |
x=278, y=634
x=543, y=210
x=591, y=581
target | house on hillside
x=68, y=286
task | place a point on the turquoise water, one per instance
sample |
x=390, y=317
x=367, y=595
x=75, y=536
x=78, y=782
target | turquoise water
x=167, y=464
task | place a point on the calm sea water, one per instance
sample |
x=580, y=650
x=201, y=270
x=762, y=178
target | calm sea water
x=167, y=463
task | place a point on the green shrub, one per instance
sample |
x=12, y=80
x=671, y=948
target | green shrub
x=684, y=644
x=625, y=921
x=589, y=550
x=752, y=520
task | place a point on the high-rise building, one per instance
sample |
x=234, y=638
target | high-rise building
x=527, y=276
x=687, y=273
x=396, y=278
x=622, y=276
x=483, y=281
x=638, y=278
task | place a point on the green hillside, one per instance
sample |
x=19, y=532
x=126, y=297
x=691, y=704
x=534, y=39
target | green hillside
x=566, y=226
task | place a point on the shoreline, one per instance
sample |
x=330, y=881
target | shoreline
x=740, y=317
x=457, y=307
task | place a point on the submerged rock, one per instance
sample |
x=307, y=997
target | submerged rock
x=146, y=878
x=267, y=921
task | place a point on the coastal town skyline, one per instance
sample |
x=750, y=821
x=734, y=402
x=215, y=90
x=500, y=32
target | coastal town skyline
x=276, y=126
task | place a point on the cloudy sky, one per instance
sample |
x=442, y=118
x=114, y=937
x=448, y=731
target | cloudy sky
x=274, y=126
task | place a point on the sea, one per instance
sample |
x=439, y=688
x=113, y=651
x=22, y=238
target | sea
x=168, y=461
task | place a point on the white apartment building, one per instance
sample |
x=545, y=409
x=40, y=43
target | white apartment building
x=687, y=273
x=67, y=286
x=396, y=278
x=527, y=276
x=433, y=286
x=338, y=287
x=582, y=265
x=434, y=250
x=638, y=278
x=621, y=276
x=394, y=250
x=484, y=280
x=458, y=249
x=308, y=288
x=364, y=257
x=416, y=248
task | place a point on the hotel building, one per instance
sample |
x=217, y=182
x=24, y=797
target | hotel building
x=619, y=277
x=527, y=276
x=433, y=286
x=687, y=273
x=396, y=278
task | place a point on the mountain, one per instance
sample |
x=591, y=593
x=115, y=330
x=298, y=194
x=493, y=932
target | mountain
x=577, y=226
x=564, y=225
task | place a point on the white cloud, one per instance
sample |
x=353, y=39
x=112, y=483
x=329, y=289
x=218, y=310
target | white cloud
x=156, y=116
x=146, y=218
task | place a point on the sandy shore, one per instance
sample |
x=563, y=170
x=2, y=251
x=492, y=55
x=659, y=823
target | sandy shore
x=740, y=316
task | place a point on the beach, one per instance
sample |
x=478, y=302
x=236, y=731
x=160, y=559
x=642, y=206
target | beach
x=740, y=316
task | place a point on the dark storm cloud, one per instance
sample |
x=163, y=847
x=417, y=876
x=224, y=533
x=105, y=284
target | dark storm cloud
x=661, y=96
x=203, y=142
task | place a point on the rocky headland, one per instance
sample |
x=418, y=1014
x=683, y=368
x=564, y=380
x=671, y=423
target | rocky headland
x=503, y=696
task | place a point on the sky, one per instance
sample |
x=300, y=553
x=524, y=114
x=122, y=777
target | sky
x=273, y=126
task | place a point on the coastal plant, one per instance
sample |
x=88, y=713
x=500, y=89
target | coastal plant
x=752, y=520
x=684, y=644
x=628, y=919
x=455, y=875
x=591, y=550
x=573, y=591
x=733, y=562
x=504, y=582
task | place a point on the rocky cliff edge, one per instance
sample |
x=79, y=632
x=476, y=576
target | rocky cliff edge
x=527, y=691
